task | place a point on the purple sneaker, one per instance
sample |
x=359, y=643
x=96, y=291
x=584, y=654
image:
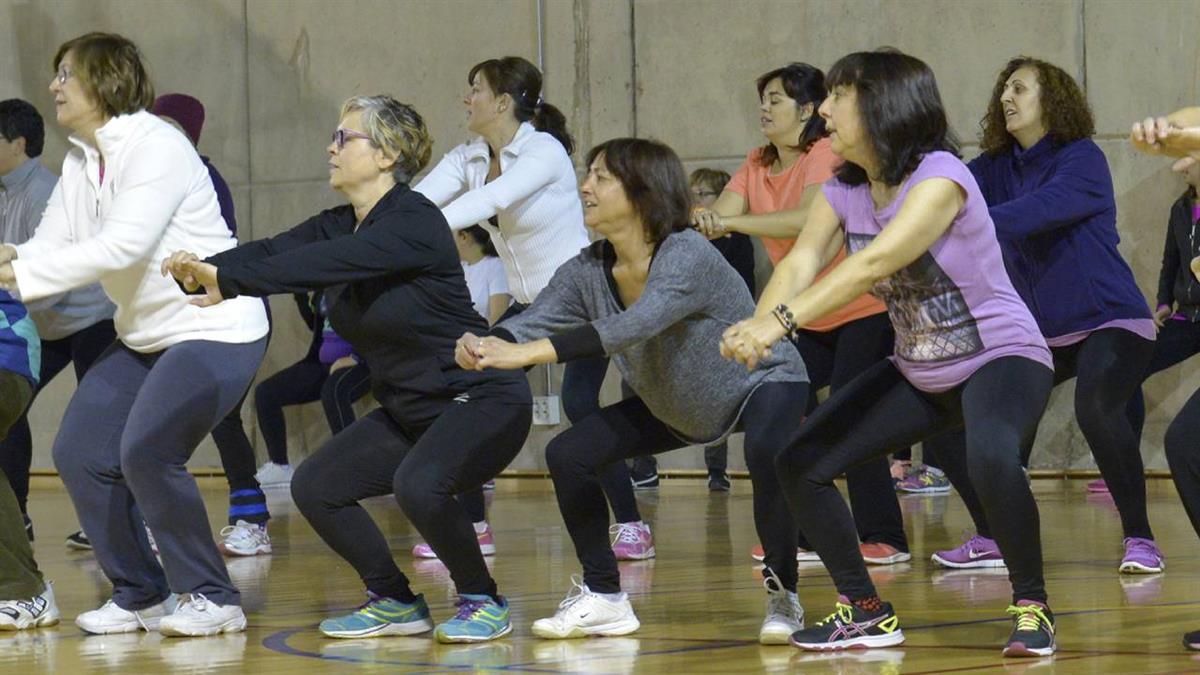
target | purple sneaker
x=974, y=553
x=1142, y=557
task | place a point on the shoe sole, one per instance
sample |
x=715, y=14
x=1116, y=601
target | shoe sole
x=868, y=642
x=234, y=553
x=638, y=556
x=809, y=557
x=890, y=560
x=779, y=637
x=236, y=625
x=78, y=547
x=410, y=628
x=623, y=627
x=924, y=491
x=1018, y=649
x=1138, y=568
x=44, y=621
x=150, y=627
x=491, y=550
x=463, y=639
x=976, y=564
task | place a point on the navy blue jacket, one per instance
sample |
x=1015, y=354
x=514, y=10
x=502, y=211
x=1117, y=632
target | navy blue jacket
x=20, y=349
x=1056, y=220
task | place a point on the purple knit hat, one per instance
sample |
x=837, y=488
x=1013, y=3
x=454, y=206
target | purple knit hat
x=185, y=110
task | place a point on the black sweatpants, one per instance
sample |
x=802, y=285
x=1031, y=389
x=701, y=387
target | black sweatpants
x=465, y=446
x=1108, y=366
x=1177, y=342
x=999, y=407
x=628, y=429
x=835, y=358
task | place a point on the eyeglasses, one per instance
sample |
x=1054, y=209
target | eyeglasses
x=340, y=136
x=701, y=194
x=64, y=74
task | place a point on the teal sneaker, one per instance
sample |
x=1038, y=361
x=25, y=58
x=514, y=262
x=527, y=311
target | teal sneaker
x=479, y=618
x=380, y=616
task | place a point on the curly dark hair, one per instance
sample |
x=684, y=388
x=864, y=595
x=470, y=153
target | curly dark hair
x=1065, y=111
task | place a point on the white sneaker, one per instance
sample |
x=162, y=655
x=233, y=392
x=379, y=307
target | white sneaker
x=110, y=618
x=784, y=614
x=198, y=617
x=274, y=475
x=41, y=610
x=585, y=613
x=244, y=538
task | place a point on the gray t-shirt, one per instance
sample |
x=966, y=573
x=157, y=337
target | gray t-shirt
x=667, y=344
x=24, y=192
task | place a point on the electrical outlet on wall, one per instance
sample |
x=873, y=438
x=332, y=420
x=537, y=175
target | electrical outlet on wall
x=546, y=410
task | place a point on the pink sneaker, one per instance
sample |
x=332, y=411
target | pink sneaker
x=632, y=541
x=487, y=545
x=1098, y=487
x=975, y=552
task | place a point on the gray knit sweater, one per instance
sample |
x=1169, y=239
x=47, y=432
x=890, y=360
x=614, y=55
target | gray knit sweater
x=667, y=345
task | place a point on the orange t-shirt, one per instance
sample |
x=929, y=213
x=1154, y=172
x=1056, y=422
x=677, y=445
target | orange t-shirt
x=766, y=193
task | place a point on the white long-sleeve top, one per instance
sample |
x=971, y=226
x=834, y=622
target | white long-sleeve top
x=535, y=200
x=156, y=198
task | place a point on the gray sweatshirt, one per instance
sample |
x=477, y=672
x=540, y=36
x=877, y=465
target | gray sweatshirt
x=667, y=345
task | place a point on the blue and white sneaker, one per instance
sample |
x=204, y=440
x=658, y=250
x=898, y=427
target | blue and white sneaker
x=479, y=619
x=380, y=616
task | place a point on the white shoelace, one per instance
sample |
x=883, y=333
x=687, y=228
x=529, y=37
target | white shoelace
x=628, y=533
x=779, y=602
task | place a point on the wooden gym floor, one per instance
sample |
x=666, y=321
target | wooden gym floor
x=700, y=602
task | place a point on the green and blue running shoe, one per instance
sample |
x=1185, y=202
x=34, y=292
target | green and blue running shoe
x=380, y=616
x=479, y=618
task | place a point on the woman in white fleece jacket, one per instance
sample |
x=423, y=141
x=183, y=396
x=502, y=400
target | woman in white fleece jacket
x=133, y=189
x=516, y=180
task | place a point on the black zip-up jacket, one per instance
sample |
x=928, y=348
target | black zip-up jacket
x=395, y=292
x=1176, y=283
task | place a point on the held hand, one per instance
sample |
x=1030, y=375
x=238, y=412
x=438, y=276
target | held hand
x=750, y=341
x=174, y=265
x=1196, y=267
x=8, y=253
x=464, y=352
x=8, y=278
x=708, y=222
x=1160, y=315
x=342, y=364
x=492, y=352
x=203, y=274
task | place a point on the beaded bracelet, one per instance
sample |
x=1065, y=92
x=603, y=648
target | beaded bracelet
x=786, y=319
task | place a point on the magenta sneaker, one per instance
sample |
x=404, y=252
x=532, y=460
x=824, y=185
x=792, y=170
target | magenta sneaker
x=1142, y=557
x=974, y=553
x=632, y=541
x=487, y=545
x=1098, y=487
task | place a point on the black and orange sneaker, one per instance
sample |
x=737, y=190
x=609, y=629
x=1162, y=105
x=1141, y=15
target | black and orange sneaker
x=851, y=627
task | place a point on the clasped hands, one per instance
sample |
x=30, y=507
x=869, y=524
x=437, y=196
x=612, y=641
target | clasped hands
x=193, y=274
x=472, y=352
x=749, y=341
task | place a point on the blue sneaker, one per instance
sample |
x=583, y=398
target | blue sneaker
x=479, y=618
x=380, y=616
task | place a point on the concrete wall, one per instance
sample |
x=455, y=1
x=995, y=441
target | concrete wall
x=273, y=72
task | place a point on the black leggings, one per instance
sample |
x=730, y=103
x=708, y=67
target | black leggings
x=305, y=382
x=80, y=349
x=463, y=448
x=1177, y=342
x=1108, y=366
x=628, y=429
x=999, y=406
x=835, y=358
x=1183, y=456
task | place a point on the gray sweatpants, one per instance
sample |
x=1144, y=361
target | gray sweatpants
x=127, y=433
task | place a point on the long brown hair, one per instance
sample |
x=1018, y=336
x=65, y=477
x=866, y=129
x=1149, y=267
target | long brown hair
x=1065, y=111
